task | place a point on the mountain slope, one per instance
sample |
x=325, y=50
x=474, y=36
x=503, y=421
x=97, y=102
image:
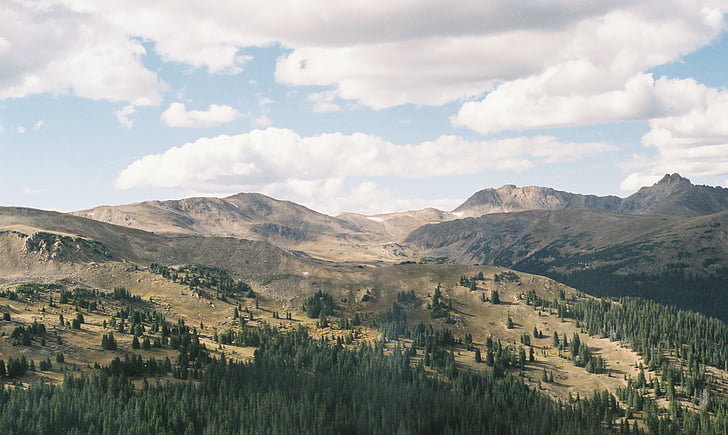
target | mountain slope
x=673, y=195
x=247, y=215
x=242, y=257
x=661, y=257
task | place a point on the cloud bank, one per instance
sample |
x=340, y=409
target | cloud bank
x=177, y=115
x=280, y=160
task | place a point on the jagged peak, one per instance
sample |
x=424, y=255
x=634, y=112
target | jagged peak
x=673, y=179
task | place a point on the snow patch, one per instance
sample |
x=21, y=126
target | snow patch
x=459, y=213
x=375, y=219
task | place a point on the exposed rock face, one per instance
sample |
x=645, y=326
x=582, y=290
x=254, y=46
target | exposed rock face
x=510, y=198
x=672, y=196
x=246, y=215
x=676, y=196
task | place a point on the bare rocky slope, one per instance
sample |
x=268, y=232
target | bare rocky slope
x=673, y=195
x=289, y=225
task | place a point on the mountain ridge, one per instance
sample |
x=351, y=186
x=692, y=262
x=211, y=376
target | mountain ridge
x=673, y=195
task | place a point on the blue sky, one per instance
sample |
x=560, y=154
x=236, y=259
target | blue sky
x=356, y=106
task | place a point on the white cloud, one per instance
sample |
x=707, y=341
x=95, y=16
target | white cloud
x=38, y=125
x=529, y=103
x=262, y=121
x=52, y=49
x=323, y=102
x=178, y=116
x=265, y=160
x=694, y=143
x=20, y=129
x=265, y=102
x=599, y=75
x=637, y=180
x=383, y=54
x=334, y=196
x=124, y=114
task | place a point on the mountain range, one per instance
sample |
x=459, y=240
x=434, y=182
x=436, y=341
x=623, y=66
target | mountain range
x=664, y=242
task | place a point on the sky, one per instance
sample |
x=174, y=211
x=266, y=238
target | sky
x=344, y=105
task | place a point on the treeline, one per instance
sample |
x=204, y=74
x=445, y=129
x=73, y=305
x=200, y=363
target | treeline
x=653, y=329
x=674, y=286
x=300, y=385
x=197, y=276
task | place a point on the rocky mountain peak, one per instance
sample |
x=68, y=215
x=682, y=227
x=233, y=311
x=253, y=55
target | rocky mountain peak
x=672, y=179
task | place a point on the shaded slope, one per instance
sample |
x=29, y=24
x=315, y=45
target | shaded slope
x=681, y=261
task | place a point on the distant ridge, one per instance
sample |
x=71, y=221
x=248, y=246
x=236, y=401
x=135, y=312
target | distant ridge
x=246, y=215
x=673, y=195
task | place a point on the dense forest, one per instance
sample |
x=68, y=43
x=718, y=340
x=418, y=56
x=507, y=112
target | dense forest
x=674, y=286
x=300, y=385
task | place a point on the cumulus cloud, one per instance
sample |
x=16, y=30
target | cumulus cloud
x=323, y=102
x=49, y=48
x=694, y=143
x=599, y=75
x=124, y=115
x=177, y=115
x=262, y=121
x=335, y=195
x=273, y=159
x=383, y=54
x=528, y=104
x=38, y=125
x=20, y=129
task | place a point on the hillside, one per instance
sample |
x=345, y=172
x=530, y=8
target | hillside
x=181, y=308
x=596, y=251
x=245, y=215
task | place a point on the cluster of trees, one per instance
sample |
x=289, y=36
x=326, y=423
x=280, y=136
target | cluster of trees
x=440, y=307
x=197, y=275
x=122, y=294
x=652, y=329
x=406, y=298
x=16, y=367
x=471, y=282
x=140, y=321
x=24, y=334
x=507, y=276
x=320, y=304
x=581, y=355
x=299, y=385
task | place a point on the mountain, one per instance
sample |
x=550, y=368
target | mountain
x=510, y=198
x=673, y=195
x=245, y=215
x=366, y=238
x=40, y=242
x=676, y=196
x=677, y=260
